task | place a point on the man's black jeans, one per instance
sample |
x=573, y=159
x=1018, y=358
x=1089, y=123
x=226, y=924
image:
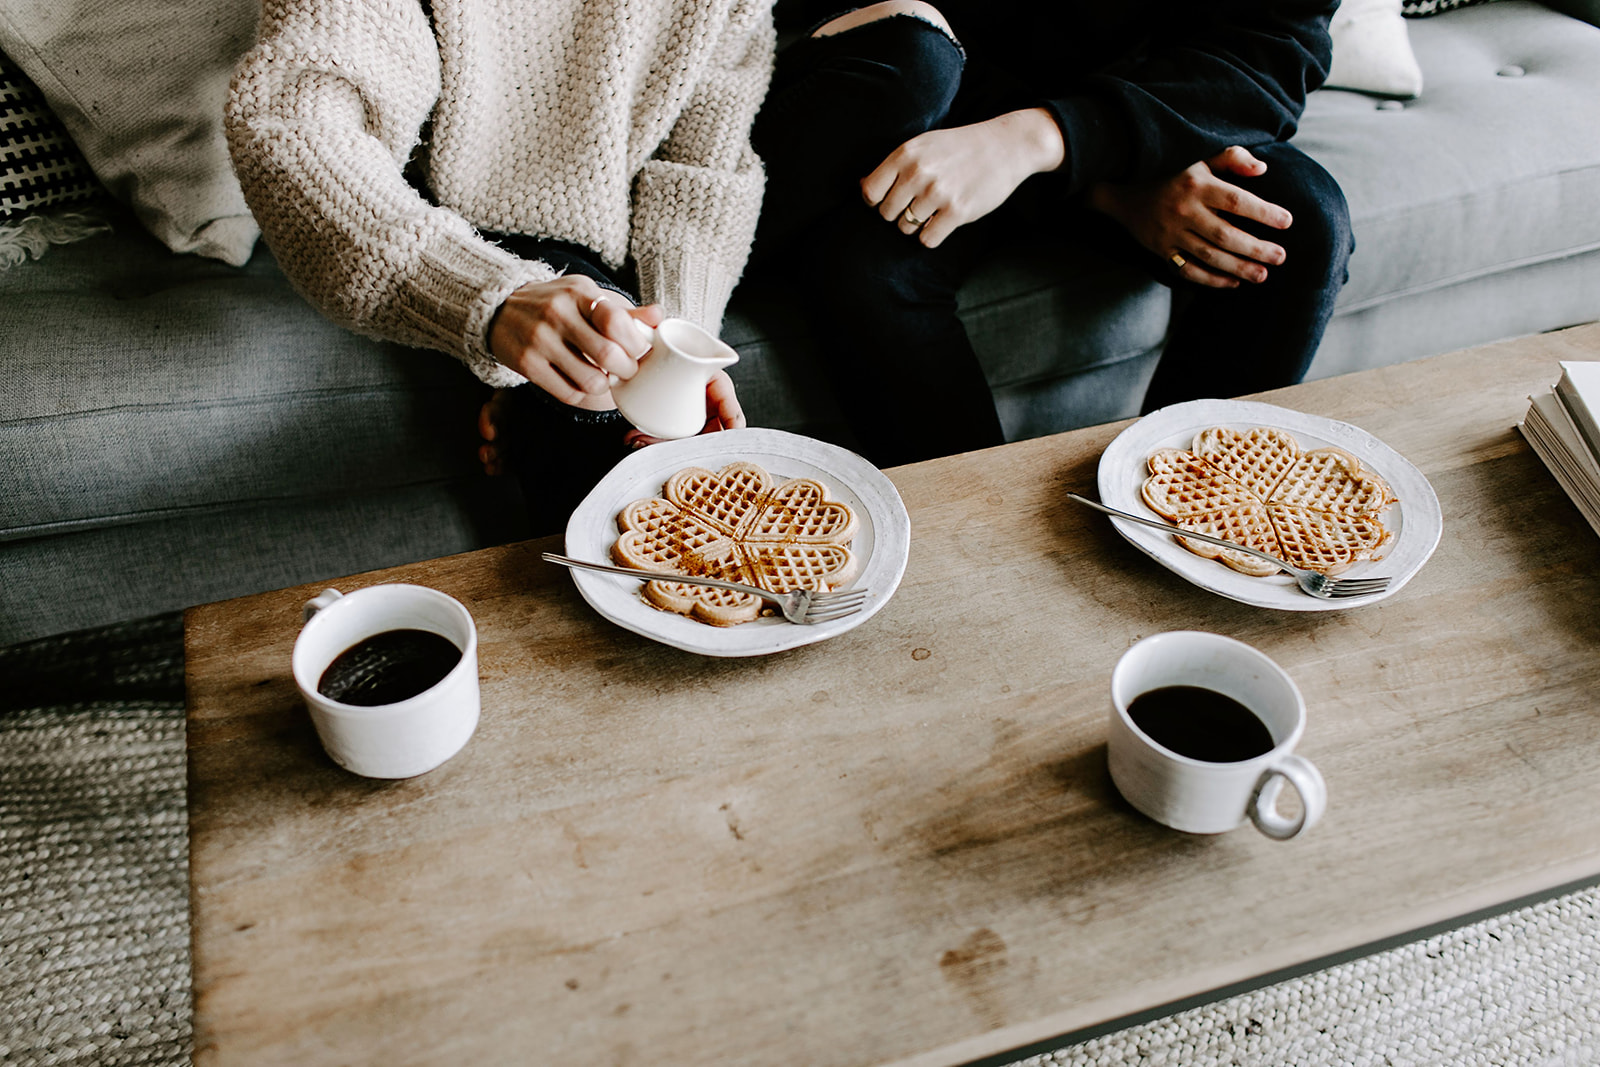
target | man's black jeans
x=884, y=307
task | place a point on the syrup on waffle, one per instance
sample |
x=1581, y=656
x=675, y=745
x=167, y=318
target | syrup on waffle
x=1321, y=510
x=736, y=523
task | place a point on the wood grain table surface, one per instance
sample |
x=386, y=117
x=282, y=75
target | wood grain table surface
x=900, y=845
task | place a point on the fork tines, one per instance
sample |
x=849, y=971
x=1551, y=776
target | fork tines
x=825, y=607
x=1343, y=587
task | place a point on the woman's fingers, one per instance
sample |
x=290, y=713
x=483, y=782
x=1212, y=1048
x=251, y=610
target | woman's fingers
x=943, y=223
x=626, y=341
x=902, y=196
x=722, y=403
x=896, y=185
x=877, y=185
x=652, y=315
x=568, y=378
x=909, y=206
x=543, y=332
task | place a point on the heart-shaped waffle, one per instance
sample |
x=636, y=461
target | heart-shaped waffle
x=1327, y=541
x=1331, y=479
x=1321, y=510
x=657, y=535
x=1181, y=485
x=1256, y=459
x=724, y=500
x=1247, y=524
x=799, y=512
x=779, y=568
x=735, y=523
x=719, y=607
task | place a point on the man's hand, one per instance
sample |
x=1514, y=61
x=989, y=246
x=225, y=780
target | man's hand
x=948, y=178
x=566, y=335
x=1187, y=214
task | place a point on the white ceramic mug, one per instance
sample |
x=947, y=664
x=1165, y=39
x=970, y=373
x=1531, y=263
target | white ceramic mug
x=667, y=397
x=407, y=737
x=1198, y=796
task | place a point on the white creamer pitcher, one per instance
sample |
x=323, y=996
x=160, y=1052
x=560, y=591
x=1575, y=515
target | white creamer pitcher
x=667, y=397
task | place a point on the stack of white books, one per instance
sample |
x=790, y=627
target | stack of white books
x=1562, y=427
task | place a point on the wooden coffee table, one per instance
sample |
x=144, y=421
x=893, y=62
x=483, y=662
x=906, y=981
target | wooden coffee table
x=900, y=845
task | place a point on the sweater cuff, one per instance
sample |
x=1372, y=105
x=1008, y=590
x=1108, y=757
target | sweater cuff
x=692, y=230
x=1098, y=148
x=459, y=282
x=688, y=286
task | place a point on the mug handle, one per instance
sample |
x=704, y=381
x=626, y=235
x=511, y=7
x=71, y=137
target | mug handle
x=1307, y=781
x=317, y=603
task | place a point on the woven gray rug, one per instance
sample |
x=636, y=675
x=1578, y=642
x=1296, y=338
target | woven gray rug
x=94, y=939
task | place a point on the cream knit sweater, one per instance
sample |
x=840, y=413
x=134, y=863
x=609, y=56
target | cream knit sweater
x=621, y=125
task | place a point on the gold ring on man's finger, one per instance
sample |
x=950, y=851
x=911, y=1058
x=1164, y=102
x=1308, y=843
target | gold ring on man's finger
x=1178, y=260
x=907, y=216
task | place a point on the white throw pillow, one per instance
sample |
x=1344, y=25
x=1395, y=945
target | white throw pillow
x=140, y=86
x=1372, y=50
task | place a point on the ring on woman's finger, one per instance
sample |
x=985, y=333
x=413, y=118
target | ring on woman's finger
x=596, y=303
x=1178, y=260
x=908, y=216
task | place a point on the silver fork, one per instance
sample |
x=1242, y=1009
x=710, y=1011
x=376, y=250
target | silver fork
x=804, y=606
x=1313, y=582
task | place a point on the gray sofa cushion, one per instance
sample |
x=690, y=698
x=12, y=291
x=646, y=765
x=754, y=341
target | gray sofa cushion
x=160, y=384
x=1467, y=180
x=1474, y=206
x=92, y=576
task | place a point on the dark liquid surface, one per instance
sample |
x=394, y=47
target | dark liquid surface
x=389, y=667
x=1201, y=724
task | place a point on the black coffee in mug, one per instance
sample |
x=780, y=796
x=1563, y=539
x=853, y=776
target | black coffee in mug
x=389, y=667
x=1201, y=724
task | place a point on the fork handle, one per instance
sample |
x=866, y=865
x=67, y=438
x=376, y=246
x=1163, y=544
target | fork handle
x=648, y=576
x=1181, y=532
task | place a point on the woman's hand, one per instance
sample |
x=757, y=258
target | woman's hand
x=948, y=178
x=566, y=335
x=722, y=411
x=1187, y=216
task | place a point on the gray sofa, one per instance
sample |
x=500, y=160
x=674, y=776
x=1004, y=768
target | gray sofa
x=176, y=430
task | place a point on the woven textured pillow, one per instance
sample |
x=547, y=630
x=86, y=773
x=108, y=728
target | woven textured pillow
x=140, y=86
x=40, y=167
x=1421, y=9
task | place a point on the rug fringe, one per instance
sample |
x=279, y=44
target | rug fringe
x=32, y=235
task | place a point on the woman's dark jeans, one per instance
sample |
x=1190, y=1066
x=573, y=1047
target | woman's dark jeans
x=558, y=452
x=884, y=307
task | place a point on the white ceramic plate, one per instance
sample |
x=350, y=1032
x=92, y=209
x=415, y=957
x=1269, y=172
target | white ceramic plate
x=1416, y=519
x=882, y=541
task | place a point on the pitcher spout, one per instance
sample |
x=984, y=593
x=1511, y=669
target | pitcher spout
x=685, y=340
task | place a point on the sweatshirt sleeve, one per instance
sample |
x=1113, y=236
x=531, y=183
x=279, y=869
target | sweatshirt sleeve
x=696, y=200
x=323, y=114
x=1234, y=73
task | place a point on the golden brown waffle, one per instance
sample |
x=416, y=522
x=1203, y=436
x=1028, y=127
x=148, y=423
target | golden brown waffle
x=1256, y=459
x=1321, y=510
x=737, y=524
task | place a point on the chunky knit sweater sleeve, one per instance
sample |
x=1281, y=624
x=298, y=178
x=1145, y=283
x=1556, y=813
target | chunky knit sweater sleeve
x=696, y=200
x=323, y=115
